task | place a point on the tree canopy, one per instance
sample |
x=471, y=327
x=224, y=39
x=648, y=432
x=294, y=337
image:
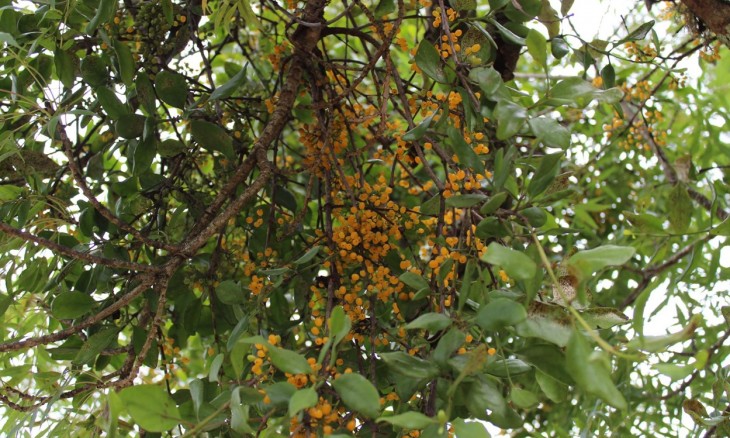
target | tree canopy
x=385, y=218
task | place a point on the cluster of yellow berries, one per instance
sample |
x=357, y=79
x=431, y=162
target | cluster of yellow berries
x=643, y=53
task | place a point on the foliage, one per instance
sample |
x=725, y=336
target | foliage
x=384, y=218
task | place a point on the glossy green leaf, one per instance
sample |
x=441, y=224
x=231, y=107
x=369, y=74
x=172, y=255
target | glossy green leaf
x=420, y=130
x=515, y=263
x=430, y=321
x=510, y=119
x=339, y=324
x=409, y=420
x=464, y=151
x=302, y=399
x=230, y=292
x=591, y=373
x=537, y=47
x=212, y=138
x=289, y=361
x=71, y=305
x=500, y=313
x=494, y=203
x=471, y=429
x=593, y=260
x=104, y=13
x=488, y=79
x=95, y=344
x=545, y=174
x=308, y=256
x=409, y=366
x=151, y=407
x=413, y=280
x=226, y=90
x=358, y=394
x=125, y=62
x=429, y=61
x=466, y=200
x=550, y=132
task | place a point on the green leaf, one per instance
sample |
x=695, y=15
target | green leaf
x=170, y=148
x=104, y=14
x=358, y=394
x=550, y=132
x=466, y=200
x=578, y=91
x=65, y=64
x=510, y=118
x=656, y=344
x=546, y=321
x=430, y=321
x=565, y=6
x=339, y=324
x=523, y=398
x=239, y=413
x=308, y=256
x=537, y=47
x=464, y=151
x=604, y=317
x=536, y=216
x=230, y=292
x=494, y=203
x=559, y=47
x=93, y=71
x=488, y=79
x=500, y=313
x=151, y=407
x=420, y=130
x=215, y=367
x=507, y=34
x=409, y=366
x=172, y=88
x=549, y=18
x=130, y=126
x=593, y=260
x=125, y=61
x=5, y=302
x=146, y=93
x=553, y=388
x=545, y=173
x=517, y=264
x=507, y=367
x=289, y=361
x=639, y=33
x=302, y=399
x=111, y=103
x=71, y=305
x=608, y=74
x=95, y=344
x=384, y=7
x=464, y=5
x=227, y=89
x=429, y=61
x=592, y=373
x=212, y=138
x=413, y=280
x=679, y=205
x=409, y=420
x=472, y=429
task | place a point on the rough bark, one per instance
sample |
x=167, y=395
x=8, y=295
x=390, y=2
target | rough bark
x=715, y=14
